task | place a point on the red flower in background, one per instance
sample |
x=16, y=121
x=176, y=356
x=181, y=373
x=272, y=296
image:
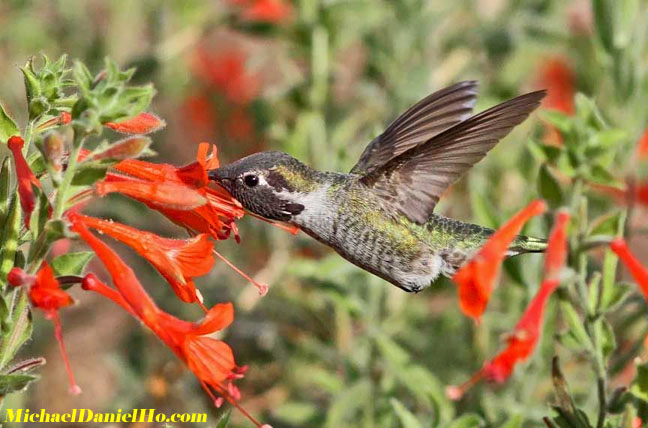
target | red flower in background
x=476, y=278
x=46, y=294
x=642, y=146
x=226, y=72
x=526, y=333
x=211, y=360
x=557, y=77
x=639, y=272
x=26, y=177
x=273, y=11
x=178, y=261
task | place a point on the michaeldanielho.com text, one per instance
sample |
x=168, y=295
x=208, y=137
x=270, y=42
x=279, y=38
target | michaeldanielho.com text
x=87, y=415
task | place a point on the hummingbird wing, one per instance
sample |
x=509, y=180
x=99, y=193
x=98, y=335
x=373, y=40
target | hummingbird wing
x=422, y=121
x=414, y=180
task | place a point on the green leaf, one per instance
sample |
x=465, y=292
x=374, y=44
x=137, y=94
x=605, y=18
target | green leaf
x=605, y=336
x=558, y=119
x=8, y=127
x=639, y=386
x=548, y=187
x=18, y=329
x=467, y=421
x=88, y=173
x=295, y=413
x=224, y=421
x=72, y=263
x=14, y=382
x=406, y=418
x=41, y=212
x=347, y=403
x=575, y=324
x=607, y=224
x=9, y=239
x=604, y=22
x=5, y=183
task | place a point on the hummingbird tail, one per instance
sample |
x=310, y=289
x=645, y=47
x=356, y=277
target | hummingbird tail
x=528, y=244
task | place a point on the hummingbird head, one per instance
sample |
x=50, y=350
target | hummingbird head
x=268, y=183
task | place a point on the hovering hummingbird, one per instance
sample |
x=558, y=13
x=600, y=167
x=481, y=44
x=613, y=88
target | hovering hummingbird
x=380, y=215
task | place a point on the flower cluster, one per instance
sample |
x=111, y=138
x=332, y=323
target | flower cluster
x=52, y=214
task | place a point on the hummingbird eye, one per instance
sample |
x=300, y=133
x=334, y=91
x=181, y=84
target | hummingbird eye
x=251, y=180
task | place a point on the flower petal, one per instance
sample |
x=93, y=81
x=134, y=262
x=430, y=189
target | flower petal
x=143, y=123
x=164, y=195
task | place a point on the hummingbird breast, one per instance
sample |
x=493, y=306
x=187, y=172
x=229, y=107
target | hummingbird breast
x=362, y=229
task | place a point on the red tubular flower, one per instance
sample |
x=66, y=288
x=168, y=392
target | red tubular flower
x=26, y=177
x=476, y=278
x=46, y=294
x=211, y=360
x=214, y=217
x=526, y=334
x=178, y=261
x=143, y=123
x=163, y=195
x=639, y=272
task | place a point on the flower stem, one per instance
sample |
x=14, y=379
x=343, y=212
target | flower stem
x=61, y=196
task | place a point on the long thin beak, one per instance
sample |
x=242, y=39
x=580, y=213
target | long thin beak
x=216, y=175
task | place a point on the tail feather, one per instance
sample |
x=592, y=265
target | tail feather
x=528, y=244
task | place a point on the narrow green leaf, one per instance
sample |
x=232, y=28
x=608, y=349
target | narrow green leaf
x=296, y=413
x=467, y=421
x=346, y=404
x=604, y=22
x=72, y=263
x=19, y=328
x=406, y=418
x=605, y=336
x=9, y=241
x=224, y=421
x=8, y=127
x=575, y=324
x=40, y=214
x=14, y=382
x=5, y=183
x=548, y=187
x=639, y=386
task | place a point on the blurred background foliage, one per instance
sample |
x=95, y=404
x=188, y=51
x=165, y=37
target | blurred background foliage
x=331, y=345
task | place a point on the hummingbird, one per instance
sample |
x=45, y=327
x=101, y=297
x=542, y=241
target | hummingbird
x=380, y=216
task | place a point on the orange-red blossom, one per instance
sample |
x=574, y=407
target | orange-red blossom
x=476, y=278
x=177, y=260
x=182, y=194
x=524, y=338
x=211, y=360
x=46, y=294
x=639, y=272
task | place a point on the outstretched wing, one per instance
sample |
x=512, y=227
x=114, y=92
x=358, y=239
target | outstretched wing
x=422, y=121
x=413, y=181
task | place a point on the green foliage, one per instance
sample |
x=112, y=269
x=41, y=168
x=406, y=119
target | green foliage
x=330, y=345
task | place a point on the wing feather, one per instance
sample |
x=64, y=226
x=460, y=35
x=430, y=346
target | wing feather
x=414, y=180
x=427, y=118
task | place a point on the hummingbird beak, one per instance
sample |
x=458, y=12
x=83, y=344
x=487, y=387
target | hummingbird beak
x=217, y=175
